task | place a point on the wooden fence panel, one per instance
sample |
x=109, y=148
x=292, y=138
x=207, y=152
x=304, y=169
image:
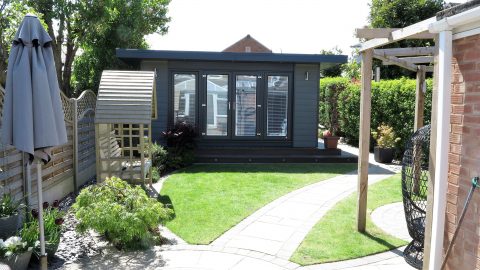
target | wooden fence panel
x=66, y=166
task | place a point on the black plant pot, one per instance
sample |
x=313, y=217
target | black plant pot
x=383, y=155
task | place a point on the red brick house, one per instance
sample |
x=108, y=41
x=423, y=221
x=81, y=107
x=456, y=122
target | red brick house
x=464, y=154
x=248, y=45
x=454, y=157
x=463, y=150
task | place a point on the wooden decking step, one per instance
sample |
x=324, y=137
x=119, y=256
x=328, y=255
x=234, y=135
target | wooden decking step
x=272, y=155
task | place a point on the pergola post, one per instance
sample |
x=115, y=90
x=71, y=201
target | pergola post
x=419, y=97
x=431, y=168
x=364, y=138
x=418, y=123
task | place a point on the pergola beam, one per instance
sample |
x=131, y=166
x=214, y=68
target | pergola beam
x=396, y=61
x=367, y=33
x=418, y=59
x=413, y=51
x=397, y=35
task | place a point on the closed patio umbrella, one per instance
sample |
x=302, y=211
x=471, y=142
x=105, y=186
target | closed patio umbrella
x=33, y=119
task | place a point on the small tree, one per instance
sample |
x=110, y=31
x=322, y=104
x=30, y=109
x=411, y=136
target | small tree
x=12, y=13
x=96, y=28
x=399, y=14
x=334, y=71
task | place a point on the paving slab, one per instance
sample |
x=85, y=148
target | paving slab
x=390, y=260
x=391, y=219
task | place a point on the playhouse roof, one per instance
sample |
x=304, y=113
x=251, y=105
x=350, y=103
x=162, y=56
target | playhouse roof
x=125, y=97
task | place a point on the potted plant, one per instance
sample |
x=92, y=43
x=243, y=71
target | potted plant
x=385, y=136
x=10, y=215
x=16, y=252
x=331, y=114
x=329, y=140
x=52, y=220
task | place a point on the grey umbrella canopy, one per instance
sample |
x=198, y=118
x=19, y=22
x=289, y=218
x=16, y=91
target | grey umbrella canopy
x=33, y=119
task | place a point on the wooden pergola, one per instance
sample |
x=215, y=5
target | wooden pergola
x=416, y=59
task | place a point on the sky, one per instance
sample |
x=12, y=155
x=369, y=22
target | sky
x=284, y=26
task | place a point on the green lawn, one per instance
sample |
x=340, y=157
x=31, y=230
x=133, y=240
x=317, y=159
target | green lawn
x=210, y=199
x=335, y=238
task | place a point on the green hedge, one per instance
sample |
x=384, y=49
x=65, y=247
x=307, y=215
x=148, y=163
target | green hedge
x=393, y=103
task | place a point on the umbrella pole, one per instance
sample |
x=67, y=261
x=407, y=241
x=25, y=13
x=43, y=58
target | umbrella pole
x=43, y=257
x=29, y=185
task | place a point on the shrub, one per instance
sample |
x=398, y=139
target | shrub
x=124, y=214
x=155, y=174
x=181, y=143
x=393, y=103
x=181, y=137
x=159, y=160
x=385, y=136
x=8, y=206
x=330, y=89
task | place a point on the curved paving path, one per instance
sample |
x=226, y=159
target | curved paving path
x=391, y=219
x=279, y=227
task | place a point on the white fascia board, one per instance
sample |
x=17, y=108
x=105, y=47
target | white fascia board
x=455, y=21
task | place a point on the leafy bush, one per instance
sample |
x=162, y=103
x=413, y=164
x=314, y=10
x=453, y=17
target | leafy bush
x=159, y=161
x=8, y=206
x=181, y=137
x=393, y=103
x=155, y=174
x=181, y=143
x=124, y=214
x=385, y=136
x=330, y=89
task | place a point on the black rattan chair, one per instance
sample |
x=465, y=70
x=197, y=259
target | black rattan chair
x=414, y=190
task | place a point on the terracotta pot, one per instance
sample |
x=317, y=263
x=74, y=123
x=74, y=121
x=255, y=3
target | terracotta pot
x=331, y=142
x=18, y=261
x=383, y=155
x=10, y=225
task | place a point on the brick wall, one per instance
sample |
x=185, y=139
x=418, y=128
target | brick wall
x=464, y=154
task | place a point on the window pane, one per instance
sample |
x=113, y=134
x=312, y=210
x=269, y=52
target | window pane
x=217, y=105
x=246, y=99
x=277, y=105
x=184, y=98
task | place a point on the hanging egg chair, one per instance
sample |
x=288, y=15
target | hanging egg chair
x=414, y=191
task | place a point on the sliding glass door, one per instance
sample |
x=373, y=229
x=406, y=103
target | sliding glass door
x=238, y=106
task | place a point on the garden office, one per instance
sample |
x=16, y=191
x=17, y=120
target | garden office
x=245, y=106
